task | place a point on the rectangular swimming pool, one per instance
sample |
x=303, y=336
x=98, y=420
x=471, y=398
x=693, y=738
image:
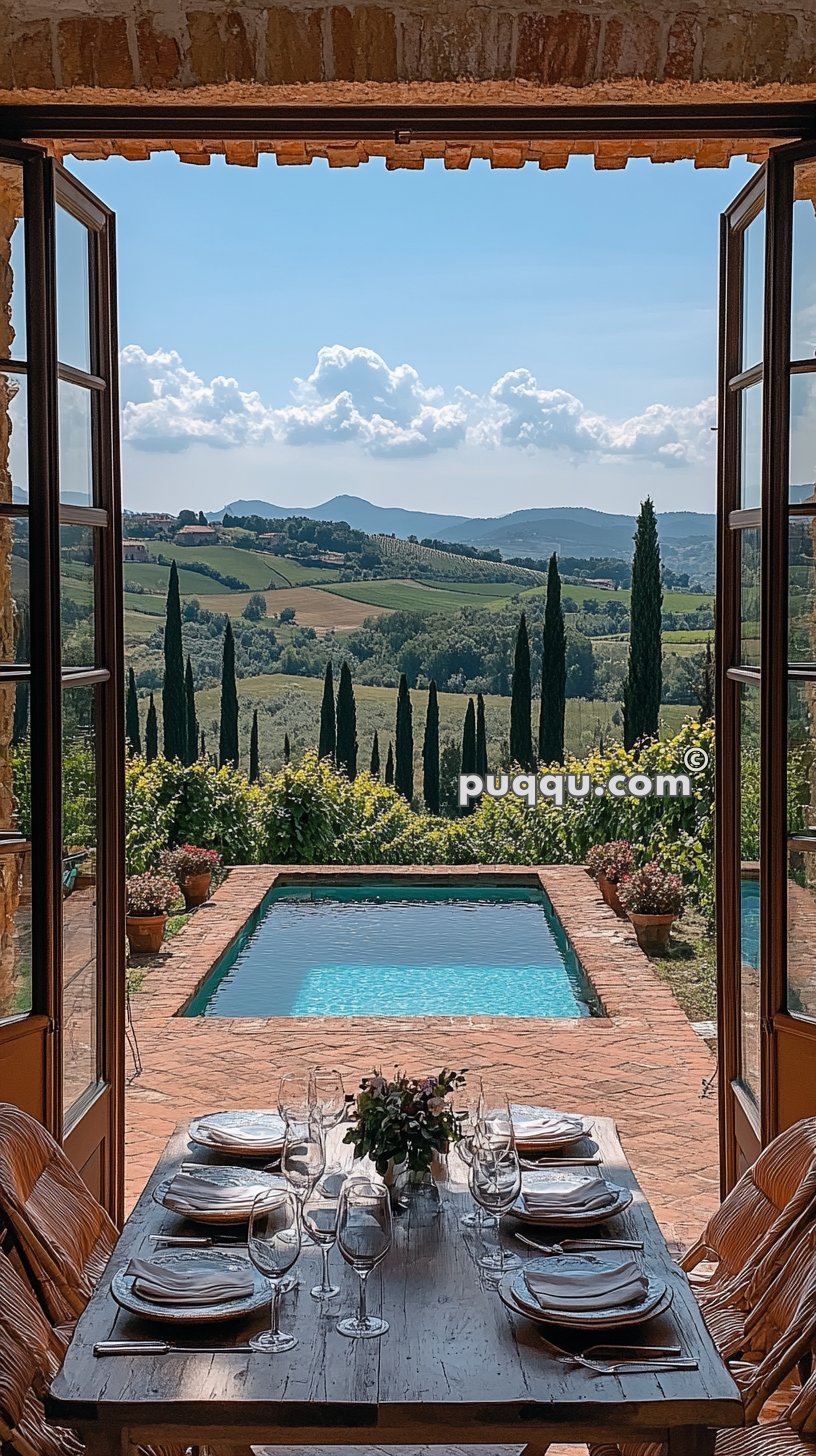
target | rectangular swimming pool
x=397, y=950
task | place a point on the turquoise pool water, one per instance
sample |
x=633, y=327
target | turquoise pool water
x=397, y=951
x=749, y=922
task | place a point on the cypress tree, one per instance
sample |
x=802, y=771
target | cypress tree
x=151, y=732
x=133, y=732
x=481, y=738
x=374, y=768
x=253, y=749
x=705, y=690
x=192, y=721
x=327, y=738
x=553, y=673
x=467, y=762
x=228, y=735
x=404, y=760
x=287, y=752
x=430, y=753
x=346, y=724
x=174, y=707
x=521, y=734
x=644, y=678
x=389, y=765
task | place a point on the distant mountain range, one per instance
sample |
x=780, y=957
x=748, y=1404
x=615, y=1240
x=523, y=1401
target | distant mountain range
x=686, y=537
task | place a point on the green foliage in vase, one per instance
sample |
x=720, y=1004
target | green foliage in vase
x=405, y=1120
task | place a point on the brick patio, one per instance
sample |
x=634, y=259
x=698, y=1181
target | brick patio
x=642, y=1064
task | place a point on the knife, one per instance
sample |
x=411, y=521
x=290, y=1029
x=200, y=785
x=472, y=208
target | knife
x=161, y=1347
x=196, y=1241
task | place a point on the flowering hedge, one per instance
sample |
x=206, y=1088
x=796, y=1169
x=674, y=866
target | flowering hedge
x=309, y=814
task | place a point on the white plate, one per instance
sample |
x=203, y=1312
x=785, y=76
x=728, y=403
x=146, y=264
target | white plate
x=199, y=1260
x=205, y=1132
x=221, y=1177
x=517, y=1297
x=522, y=1113
x=582, y=1218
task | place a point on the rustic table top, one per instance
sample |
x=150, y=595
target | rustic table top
x=455, y=1362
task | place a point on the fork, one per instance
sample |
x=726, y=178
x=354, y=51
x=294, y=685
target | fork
x=618, y=1367
x=576, y=1245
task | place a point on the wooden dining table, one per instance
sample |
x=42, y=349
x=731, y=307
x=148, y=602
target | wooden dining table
x=456, y=1366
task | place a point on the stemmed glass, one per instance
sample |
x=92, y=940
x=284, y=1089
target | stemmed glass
x=295, y=1096
x=470, y=1123
x=303, y=1159
x=273, y=1243
x=329, y=1101
x=363, y=1238
x=495, y=1182
x=320, y=1214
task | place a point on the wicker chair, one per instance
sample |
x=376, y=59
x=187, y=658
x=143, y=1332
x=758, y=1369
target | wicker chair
x=793, y=1434
x=778, y=1336
x=29, y=1358
x=770, y=1204
x=63, y=1236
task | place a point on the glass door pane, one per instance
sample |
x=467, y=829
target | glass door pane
x=750, y=960
x=80, y=979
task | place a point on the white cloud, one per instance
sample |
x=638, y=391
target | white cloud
x=353, y=395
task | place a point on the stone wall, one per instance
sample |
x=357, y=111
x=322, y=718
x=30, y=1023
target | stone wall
x=417, y=51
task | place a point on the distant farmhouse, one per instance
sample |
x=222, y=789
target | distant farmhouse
x=197, y=536
x=135, y=551
x=331, y=558
x=272, y=538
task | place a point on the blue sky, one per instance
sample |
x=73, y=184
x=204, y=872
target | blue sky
x=490, y=340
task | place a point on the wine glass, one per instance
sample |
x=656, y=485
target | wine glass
x=303, y=1159
x=295, y=1096
x=496, y=1126
x=495, y=1182
x=320, y=1213
x=273, y=1244
x=329, y=1100
x=363, y=1238
x=469, y=1125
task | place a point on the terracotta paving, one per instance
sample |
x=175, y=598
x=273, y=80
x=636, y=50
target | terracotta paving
x=641, y=1064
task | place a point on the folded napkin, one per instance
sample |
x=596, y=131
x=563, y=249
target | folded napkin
x=163, y=1285
x=258, y=1136
x=572, y=1196
x=186, y=1191
x=547, y=1129
x=587, y=1287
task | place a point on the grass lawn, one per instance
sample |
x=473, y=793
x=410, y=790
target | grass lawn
x=153, y=578
x=689, y=967
x=288, y=704
x=673, y=601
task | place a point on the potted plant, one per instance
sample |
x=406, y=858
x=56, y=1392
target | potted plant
x=652, y=898
x=608, y=864
x=192, y=868
x=149, y=898
x=403, y=1124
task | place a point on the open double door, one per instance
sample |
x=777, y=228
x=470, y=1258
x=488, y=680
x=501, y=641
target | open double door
x=61, y=665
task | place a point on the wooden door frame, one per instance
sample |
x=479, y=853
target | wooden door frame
x=400, y=124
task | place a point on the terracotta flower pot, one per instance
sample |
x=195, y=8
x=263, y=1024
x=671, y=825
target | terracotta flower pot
x=652, y=931
x=145, y=933
x=196, y=888
x=609, y=890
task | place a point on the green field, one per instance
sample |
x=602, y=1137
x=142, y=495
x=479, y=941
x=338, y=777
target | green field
x=292, y=705
x=405, y=596
x=673, y=601
x=153, y=578
x=257, y=568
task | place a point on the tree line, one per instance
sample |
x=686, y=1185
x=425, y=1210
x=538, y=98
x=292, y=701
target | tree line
x=337, y=731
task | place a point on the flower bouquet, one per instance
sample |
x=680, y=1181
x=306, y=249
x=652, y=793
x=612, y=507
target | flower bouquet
x=403, y=1124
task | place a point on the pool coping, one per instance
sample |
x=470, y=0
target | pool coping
x=626, y=986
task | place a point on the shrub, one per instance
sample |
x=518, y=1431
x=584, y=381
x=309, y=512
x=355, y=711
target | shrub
x=614, y=860
x=179, y=864
x=651, y=890
x=150, y=894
